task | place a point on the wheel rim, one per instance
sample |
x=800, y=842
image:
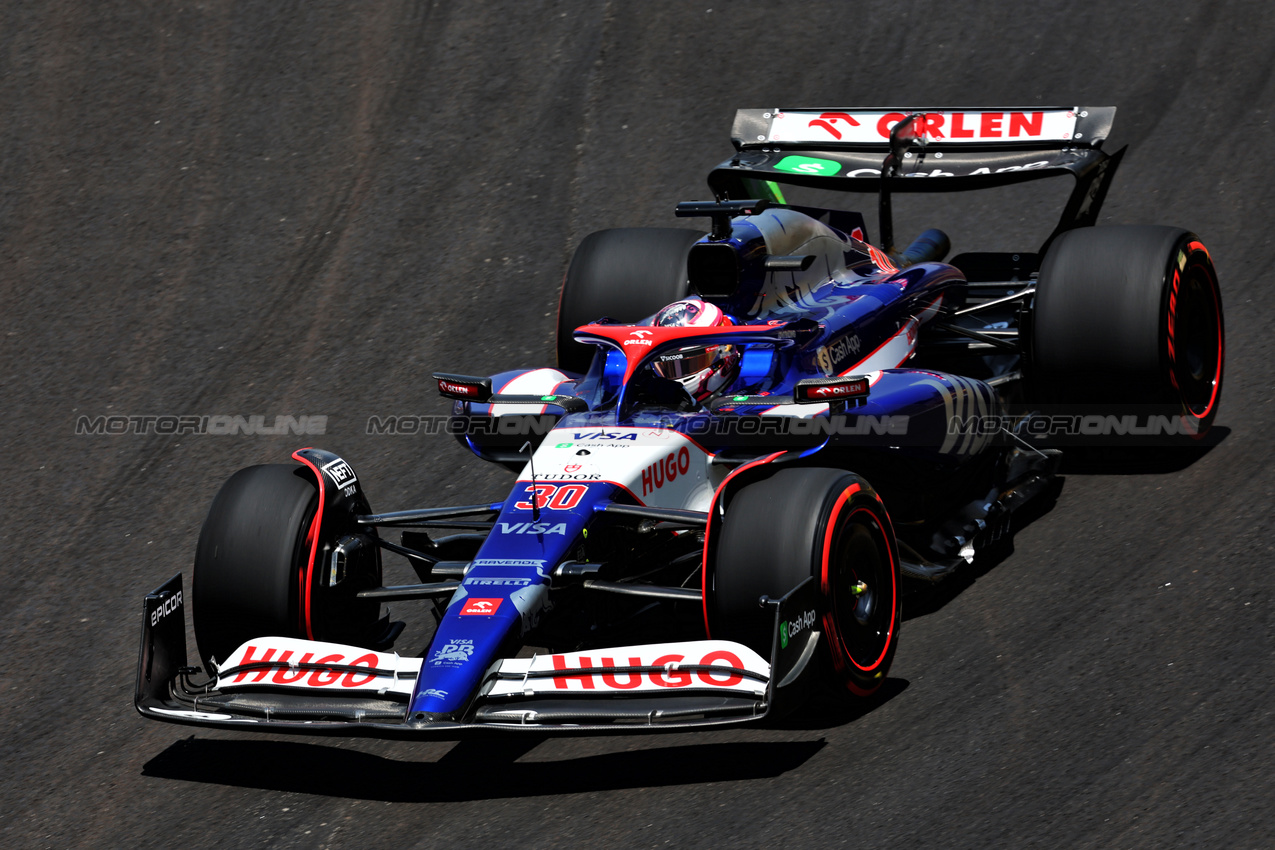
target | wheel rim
x=1195, y=340
x=860, y=586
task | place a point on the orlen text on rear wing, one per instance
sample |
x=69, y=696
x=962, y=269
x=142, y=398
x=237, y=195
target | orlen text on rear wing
x=844, y=149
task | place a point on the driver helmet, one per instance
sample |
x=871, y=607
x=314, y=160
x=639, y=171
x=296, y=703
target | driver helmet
x=703, y=370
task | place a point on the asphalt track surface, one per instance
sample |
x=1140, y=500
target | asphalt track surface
x=303, y=208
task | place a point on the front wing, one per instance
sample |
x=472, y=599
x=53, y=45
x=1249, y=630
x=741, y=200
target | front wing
x=279, y=684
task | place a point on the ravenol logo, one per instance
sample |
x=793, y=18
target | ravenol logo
x=808, y=165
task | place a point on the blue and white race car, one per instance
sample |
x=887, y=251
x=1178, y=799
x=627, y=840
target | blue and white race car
x=752, y=438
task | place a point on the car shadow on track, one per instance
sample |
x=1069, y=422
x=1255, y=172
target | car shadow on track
x=921, y=598
x=471, y=770
x=822, y=711
x=1140, y=460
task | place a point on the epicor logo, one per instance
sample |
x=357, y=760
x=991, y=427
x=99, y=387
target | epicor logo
x=168, y=606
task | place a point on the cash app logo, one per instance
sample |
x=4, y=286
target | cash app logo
x=807, y=165
x=783, y=635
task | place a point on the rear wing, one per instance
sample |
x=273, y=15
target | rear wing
x=844, y=149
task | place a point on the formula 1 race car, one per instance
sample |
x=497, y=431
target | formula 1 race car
x=753, y=437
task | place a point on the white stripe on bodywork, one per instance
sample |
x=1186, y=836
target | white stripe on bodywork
x=891, y=354
x=965, y=398
x=930, y=310
x=949, y=439
x=535, y=382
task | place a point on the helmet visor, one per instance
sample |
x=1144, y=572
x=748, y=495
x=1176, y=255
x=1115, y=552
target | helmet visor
x=686, y=362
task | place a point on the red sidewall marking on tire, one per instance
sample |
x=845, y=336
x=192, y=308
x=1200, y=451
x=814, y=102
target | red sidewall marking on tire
x=826, y=585
x=307, y=579
x=1210, y=279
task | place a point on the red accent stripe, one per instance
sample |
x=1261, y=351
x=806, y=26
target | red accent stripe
x=712, y=508
x=825, y=585
x=307, y=577
x=1221, y=343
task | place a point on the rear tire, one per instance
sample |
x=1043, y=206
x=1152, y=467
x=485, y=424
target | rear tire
x=826, y=523
x=1130, y=316
x=625, y=274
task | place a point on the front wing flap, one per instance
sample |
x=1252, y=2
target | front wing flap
x=280, y=684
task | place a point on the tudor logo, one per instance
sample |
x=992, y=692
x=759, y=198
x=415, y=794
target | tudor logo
x=483, y=607
x=639, y=338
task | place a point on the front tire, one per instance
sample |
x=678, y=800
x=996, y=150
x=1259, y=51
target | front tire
x=251, y=564
x=826, y=523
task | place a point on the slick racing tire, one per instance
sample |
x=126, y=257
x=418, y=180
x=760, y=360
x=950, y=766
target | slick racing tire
x=250, y=566
x=624, y=274
x=826, y=523
x=1129, y=319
